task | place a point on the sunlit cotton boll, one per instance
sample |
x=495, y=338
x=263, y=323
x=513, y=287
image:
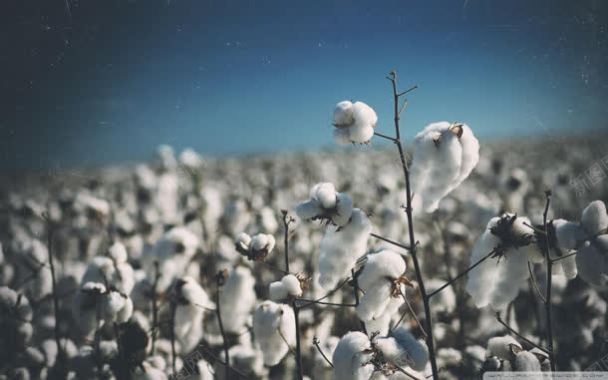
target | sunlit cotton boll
x=190, y=159
x=289, y=286
x=341, y=247
x=497, y=280
x=377, y=280
x=192, y=300
x=444, y=156
x=352, y=357
x=326, y=204
x=502, y=347
x=354, y=122
x=238, y=297
x=274, y=330
x=256, y=247
x=403, y=349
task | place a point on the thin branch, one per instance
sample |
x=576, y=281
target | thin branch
x=512, y=331
x=564, y=257
x=534, y=283
x=154, y=305
x=403, y=371
x=548, y=309
x=315, y=342
x=408, y=90
x=403, y=106
x=172, y=322
x=390, y=241
x=460, y=275
x=389, y=138
x=218, y=360
x=220, y=279
x=332, y=292
x=412, y=312
x=309, y=302
x=410, y=222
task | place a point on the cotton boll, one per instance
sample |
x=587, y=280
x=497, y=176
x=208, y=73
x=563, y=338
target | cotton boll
x=326, y=204
x=289, y=286
x=501, y=346
x=567, y=234
x=325, y=194
x=274, y=329
x=403, y=349
x=480, y=283
x=189, y=158
x=238, y=296
x=341, y=247
x=243, y=241
x=277, y=291
x=595, y=218
x=444, y=156
x=513, y=271
x=148, y=372
x=116, y=307
x=192, y=301
x=352, y=356
x=15, y=319
x=526, y=362
x=255, y=248
x=166, y=156
x=592, y=261
x=113, y=269
x=355, y=123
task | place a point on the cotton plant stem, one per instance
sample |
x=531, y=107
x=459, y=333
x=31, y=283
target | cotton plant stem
x=548, y=308
x=294, y=305
x=410, y=224
x=60, y=354
x=219, y=283
x=154, y=305
x=396, y=244
x=315, y=342
x=462, y=274
x=517, y=334
x=172, y=322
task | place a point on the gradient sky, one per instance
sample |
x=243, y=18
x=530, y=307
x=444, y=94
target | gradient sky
x=97, y=82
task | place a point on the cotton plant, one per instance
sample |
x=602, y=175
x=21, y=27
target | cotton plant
x=238, y=296
x=255, y=247
x=380, y=282
x=326, y=204
x=403, y=349
x=95, y=304
x=509, y=240
x=587, y=241
x=113, y=269
x=505, y=354
x=191, y=302
x=341, y=247
x=444, y=156
x=274, y=330
x=354, y=122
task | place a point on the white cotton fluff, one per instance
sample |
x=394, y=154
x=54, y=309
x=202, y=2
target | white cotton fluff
x=354, y=122
x=256, y=247
x=341, y=247
x=190, y=159
x=592, y=261
x=16, y=317
x=526, y=361
x=167, y=197
x=326, y=203
x=381, y=324
x=289, y=286
x=189, y=312
x=500, y=346
x=173, y=251
x=497, y=280
x=112, y=269
x=352, y=357
x=567, y=234
x=595, y=219
x=403, y=349
x=376, y=281
x=117, y=307
x=444, y=156
x=263, y=242
x=274, y=330
x=238, y=297
x=166, y=156
x=88, y=305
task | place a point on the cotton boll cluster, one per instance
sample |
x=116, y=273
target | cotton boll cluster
x=172, y=253
x=191, y=302
x=341, y=247
x=15, y=322
x=255, y=248
x=352, y=357
x=95, y=305
x=380, y=282
x=506, y=354
x=497, y=280
x=113, y=269
x=326, y=204
x=274, y=329
x=444, y=156
x=588, y=240
x=288, y=287
x=354, y=122
x=190, y=159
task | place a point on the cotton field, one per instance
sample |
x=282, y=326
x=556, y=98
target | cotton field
x=426, y=257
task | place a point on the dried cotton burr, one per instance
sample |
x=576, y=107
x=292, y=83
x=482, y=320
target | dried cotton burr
x=354, y=122
x=274, y=330
x=326, y=204
x=444, y=156
x=496, y=281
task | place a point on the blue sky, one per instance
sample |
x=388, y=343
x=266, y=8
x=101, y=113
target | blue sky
x=236, y=77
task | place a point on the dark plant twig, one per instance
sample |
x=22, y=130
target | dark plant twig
x=154, y=305
x=512, y=331
x=534, y=283
x=548, y=309
x=315, y=342
x=172, y=323
x=392, y=77
x=220, y=279
x=391, y=241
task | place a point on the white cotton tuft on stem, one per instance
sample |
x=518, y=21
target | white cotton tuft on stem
x=354, y=122
x=238, y=296
x=274, y=330
x=444, y=156
x=352, y=356
x=403, y=349
x=288, y=287
x=326, y=203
